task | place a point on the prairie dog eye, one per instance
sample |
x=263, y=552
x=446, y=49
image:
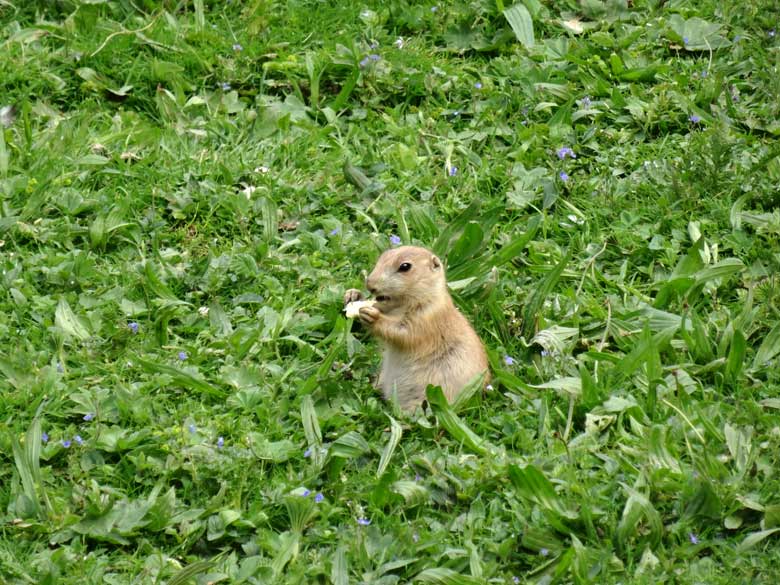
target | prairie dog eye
x=405, y=267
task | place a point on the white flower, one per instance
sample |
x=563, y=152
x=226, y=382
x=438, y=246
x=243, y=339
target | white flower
x=204, y=311
x=399, y=42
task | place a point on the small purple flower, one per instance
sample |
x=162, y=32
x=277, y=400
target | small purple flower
x=417, y=477
x=182, y=355
x=564, y=177
x=319, y=498
x=545, y=353
x=237, y=47
x=478, y=85
x=509, y=360
x=737, y=38
x=45, y=437
x=693, y=538
x=65, y=443
x=453, y=171
x=193, y=429
x=364, y=62
x=585, y=102
x=771, y=32
x=565, y=151
x=695, y=118
x=60, y=369
x=305, y=493
x=334, y=232
x=220, y=442
x=78, y=439
x=704, y=74
x=373, y=45
x=434, y=8
x=374, y=57
x=225, y=86
x=363, y=521
x=515, y=579
x=133, y=327
x=307, y=453
x=685, y=40
x=395, y=240
x=544, y=552
x=89, y=416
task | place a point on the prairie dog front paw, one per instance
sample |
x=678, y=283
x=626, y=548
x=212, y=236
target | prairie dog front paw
x=369, y=314
x=352, y=295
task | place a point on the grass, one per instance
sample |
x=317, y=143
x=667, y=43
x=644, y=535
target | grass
x=186, y=190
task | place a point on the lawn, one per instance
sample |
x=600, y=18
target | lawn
x=187, y=188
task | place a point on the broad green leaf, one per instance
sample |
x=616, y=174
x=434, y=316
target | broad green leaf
x=555, y=338
x=181, y=377
x=640, y=521
x=522, y=24
x=67, y=321
x=349, y=446
x=311, y=429
x=443, y=576
x=754, y=538
x=569, y=385
x=300, y=509
x=467, y=245
x=697, y=34
x=532, y=485
x=339, y=569
x=545, y=288
x=185, y=575
x=454, y=425
x=289, y=545
x=411, y=491
x=276, y=451
x=769, y=348
x=392, y=443
x=722, y=269
x=736, y=357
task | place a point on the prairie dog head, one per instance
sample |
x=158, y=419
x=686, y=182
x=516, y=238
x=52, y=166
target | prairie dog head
x=407, y=276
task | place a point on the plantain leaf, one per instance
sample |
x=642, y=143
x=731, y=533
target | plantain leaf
x=392, y=443
x=544, y=289
x=454, y=425
x=754, y=538
x=443, y=576
x=768, y=349
x=67, y=321
x=349, y=446
x=181, y=378
x=522, y=24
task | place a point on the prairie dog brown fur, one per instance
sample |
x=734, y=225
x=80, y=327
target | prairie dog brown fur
x=426, y=339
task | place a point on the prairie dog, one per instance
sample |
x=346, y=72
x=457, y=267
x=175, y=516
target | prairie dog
x=426, y=339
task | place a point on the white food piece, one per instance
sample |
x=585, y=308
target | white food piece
x=353, y=309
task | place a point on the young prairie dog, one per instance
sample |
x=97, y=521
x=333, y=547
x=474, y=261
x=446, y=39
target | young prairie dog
x=426, y=339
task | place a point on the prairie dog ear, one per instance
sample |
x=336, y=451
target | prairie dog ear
x=435, y=263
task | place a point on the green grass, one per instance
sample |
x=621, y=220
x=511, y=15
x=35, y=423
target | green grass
x=187, y=189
